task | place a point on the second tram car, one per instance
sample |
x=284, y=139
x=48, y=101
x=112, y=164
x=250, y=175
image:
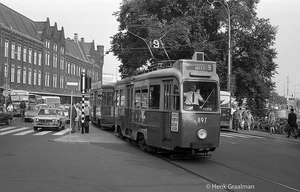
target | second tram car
x=162, y=110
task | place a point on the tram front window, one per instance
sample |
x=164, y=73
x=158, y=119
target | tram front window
x=200, y=96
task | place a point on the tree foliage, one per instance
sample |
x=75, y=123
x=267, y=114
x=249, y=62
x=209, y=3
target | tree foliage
x=187, y=26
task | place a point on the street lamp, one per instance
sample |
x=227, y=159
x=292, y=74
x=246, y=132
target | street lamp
x=225, y=5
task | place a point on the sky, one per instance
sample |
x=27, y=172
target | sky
x=93, y=20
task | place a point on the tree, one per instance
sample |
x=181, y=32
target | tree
x=183, y=27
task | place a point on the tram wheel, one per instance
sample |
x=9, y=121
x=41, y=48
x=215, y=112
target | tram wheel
x=142, y=142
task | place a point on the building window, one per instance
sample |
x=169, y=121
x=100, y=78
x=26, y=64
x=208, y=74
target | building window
x=62, y=63
x=29, y=76
x=13, y=47
x=24, y=75
x=12, y=71
x=47, y=79
x=54, y=60
x=34, y=57
x=54, y=80
x=19, y=53
x=62, y=50
x=29, y=55
x=40, y=59
x=6, y=48
x=47, y=58
x=47, y=44
x=34, y=77
x=40, y=78
x=55, y=47
x=24, y=54
x=69, y=68
x=18, y=75
x=61, y=82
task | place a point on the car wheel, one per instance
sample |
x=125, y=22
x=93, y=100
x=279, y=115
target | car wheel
x=35, y=128
x=8, y=121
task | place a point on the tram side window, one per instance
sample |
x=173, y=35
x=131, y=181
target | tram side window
x=137, y=98
x=154, y=96
x=176, y=98
x=117, y=98
x=144, y=100
x=104, y=99
x=122, y=98
x=109, y=98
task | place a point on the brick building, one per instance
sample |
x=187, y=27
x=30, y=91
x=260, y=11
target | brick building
x=36, y=57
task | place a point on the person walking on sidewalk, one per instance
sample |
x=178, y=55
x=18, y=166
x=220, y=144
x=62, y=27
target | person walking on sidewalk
x=249, y=119
x=72, y=117
x=237, y=116
x=78, y=118
x=271, y=121
x=292, y=121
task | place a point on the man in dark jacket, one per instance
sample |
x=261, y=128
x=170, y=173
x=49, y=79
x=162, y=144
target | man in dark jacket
x=292, y=121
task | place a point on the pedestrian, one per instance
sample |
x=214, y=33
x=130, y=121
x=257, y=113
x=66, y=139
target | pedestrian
x=292, y=122
x=271, y=121
x=78, y=117
x=73, y=114
x=23, y=108
x=249, y=119
x=237, y=116
x=86, y=118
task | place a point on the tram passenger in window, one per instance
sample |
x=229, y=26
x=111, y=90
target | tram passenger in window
x=193, y=97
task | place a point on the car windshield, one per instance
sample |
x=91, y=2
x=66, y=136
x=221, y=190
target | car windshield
x=49, y=112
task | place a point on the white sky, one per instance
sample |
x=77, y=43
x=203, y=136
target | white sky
x=93, y=20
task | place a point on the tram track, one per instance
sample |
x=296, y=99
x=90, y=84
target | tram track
x=210, y=181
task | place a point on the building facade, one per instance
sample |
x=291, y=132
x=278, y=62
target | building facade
x=36, y=57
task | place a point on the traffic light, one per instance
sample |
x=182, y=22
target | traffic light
x=88, y=82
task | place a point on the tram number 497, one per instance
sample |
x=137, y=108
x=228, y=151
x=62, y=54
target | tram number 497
x=201, y=119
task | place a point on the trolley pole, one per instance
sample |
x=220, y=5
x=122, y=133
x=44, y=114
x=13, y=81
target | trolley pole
x=82, y=104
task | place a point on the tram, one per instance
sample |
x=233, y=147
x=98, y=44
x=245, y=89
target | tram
x=153, y=109
x=102, y=101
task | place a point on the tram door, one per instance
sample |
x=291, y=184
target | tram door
x=166, y=126
x=128, y=106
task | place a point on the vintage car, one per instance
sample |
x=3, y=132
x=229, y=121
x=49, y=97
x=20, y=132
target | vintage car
x=50, y=118
x=32, y=111
x=5, y=116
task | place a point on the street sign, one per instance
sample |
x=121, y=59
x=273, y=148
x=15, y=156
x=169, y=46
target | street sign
x=5, y=93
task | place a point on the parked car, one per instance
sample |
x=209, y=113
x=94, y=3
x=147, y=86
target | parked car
x=5, y=116
x=33, y=111
x=66, y=108
x=50, y=118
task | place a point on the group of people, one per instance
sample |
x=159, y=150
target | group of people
x=242, y=118
x=76, y=118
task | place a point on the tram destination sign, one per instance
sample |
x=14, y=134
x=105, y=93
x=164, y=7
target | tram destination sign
x=207, y=67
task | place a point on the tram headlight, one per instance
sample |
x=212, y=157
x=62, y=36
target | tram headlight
x=201, y=134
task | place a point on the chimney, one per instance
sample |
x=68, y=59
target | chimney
x=75, y=37
x=82, y=39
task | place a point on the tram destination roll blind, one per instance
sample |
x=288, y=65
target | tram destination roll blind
x=200, y=67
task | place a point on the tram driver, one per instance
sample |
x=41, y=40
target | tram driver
x=193, y=97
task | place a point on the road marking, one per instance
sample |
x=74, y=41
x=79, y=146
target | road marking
x=62, y=132
x=240, y=135
x=25, y=132
x=43, y=133
x=15, y=130
x=7, y=128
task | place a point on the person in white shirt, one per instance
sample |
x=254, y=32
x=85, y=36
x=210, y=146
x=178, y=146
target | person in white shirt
x=193, y=97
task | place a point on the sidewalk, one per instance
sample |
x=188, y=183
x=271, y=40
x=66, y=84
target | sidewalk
x=95, y=135
x=264, y=134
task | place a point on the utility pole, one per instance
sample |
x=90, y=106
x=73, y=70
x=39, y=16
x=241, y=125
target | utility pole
x=287, y=84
